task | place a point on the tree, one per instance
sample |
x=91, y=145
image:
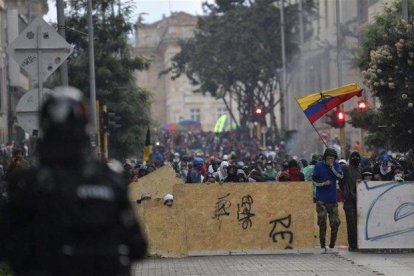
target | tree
x=236, y=52
x=114, y=67
x=387, y=63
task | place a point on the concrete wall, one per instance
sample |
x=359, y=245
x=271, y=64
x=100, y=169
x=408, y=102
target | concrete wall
x=226, y=218
x=385, y=215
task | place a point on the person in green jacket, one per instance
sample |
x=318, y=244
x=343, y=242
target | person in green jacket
x=270, y=172
x=308, y=171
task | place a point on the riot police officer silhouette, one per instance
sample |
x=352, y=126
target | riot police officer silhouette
x=70, y=215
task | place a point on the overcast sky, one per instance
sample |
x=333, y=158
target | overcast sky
x=154, y=8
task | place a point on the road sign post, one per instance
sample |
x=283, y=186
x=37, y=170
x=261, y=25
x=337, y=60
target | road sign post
x=39, y=50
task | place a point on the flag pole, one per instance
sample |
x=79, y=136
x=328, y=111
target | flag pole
x=323, y=141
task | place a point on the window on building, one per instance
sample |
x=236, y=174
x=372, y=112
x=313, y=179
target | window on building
x=195, y=114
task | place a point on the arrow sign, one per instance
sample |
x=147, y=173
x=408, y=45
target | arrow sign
x=39, y=50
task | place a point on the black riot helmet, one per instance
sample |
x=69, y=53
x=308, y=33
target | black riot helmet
x=63, y=126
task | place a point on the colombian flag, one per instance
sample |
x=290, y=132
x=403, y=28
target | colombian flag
x=316, y=105
x=147, y=148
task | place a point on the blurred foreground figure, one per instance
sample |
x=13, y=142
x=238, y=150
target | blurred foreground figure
x=71, y=214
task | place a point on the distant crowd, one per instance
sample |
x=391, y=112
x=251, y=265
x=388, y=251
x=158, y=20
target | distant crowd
x=12, y=156
x=261, y=165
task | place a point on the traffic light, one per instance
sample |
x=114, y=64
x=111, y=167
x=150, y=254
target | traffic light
x=336, y=118
x=258, y=111
x=104, y=120
x=113, y=120
x=259, y=114
x=340, y=117
x=109, y=121
x=362, y=105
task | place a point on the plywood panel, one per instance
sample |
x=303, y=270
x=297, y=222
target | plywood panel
x=157, y=183
x=163, y=227
x=233, y=216
x=385, y=215
x=246, y=216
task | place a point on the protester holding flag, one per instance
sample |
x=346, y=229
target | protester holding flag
x=325, y=176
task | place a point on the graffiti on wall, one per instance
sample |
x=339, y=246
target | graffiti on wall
x=222, y=206
x=386, y=210
x=280, y=228
x=244, y=213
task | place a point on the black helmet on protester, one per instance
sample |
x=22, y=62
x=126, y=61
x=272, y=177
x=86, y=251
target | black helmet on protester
x=330, y=152
x=63, y=126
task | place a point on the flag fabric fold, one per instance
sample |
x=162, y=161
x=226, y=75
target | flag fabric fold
x=147, y=148
x=316, y=105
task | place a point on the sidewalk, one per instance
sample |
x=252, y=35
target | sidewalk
x=342, y=263
x=387, y=264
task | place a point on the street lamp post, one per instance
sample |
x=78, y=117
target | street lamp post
x=92, y=76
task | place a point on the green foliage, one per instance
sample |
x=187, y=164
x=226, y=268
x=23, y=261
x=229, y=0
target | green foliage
x=366, y=120
x=387, y=63
x=5, y=270
x=114, y=70
x=237, y=49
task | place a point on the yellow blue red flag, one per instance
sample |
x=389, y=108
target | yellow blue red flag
x=316, y=105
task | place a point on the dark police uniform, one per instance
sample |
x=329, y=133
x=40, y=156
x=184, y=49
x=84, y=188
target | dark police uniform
x=70, y=215
x=70, y=220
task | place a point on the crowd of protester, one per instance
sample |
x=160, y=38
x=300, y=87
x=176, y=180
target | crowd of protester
x=208, y=157
x=12, y=156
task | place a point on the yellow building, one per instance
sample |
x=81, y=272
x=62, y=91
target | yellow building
x=173, y=100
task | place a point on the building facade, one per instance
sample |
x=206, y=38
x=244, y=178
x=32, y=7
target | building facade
x=320, y=68
x=173, y=100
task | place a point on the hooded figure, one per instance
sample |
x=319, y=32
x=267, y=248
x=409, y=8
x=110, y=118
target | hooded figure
x=348, y=186
x=221, y=174
x=325, y=176
x=232, y=174
x=294, y=173
x=384, y=170
x=352, y=174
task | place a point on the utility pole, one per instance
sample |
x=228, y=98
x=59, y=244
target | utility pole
x=339, y=70
x=284, y=113
x=301, y=41
x=105, y=135
x=338, y=42
x=405, y=10
x=92, y=76
x=61, y=30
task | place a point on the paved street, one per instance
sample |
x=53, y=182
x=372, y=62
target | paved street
x=342, y=263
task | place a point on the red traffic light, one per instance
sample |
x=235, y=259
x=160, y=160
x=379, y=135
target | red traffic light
x=336, y=119
x=340, y=116
x=362, y=105
x=258, y=111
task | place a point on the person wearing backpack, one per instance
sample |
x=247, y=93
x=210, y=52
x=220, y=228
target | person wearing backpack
x=69, y=215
